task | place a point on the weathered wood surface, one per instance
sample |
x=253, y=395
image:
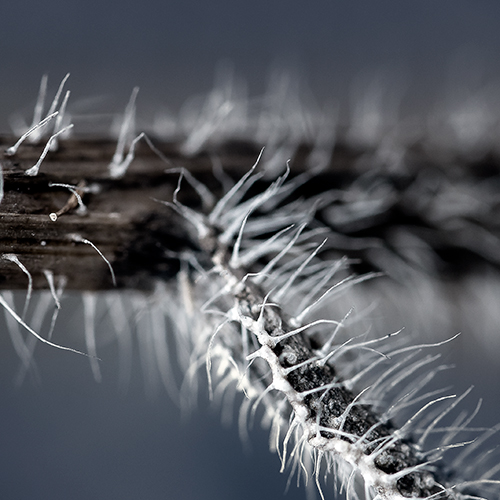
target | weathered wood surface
x=123, y=218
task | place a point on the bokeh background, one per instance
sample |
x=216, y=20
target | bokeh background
x=67, y=436
x=171, y=49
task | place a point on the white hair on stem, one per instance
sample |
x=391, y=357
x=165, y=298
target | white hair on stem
x=77, y=238
x=60, y=120
x=55, y=101
x=18, y=341
x=89, y=311
x=122, y=327
x=10, y=310
x=42, y=307
x=40, y=101
x=117, y=167
x=13, y=149
x=117, y=170
x=36, y=130
x=36, y=167
x=13, y=258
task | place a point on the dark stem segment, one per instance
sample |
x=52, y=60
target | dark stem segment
x=361, y=421
x=44, y=226
x=136, y=233
x=326, y=407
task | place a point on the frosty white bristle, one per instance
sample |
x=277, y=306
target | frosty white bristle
x=13, y=258
x=278, y=338
x=321, y=279
x=37, y=128
x=282, y=292
x=402, y=431
x=37, y=113
x=443, y=414
x=117, y=170
x=122, y=327
x=221, y=111
x=233, y=196
x=79, y=239
x=245, y=209
x=13, y=149
x=209, y=357
x=49, y=275
x=386, y=383
x=194, y=218
x=62, y=112
x=59, y=120
x=273, y=262
x=56, y=295
x=268, y=246
x=11, y=311
x=200, y=135
x=35, y=168
x=37, y=318
x=207, y=198
x=89, y=308
x=18, y=341
x=347, y=282
x=55, y=101
x=126, y=131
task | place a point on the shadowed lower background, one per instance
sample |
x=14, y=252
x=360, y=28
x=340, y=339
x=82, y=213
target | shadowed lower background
x=69, y=437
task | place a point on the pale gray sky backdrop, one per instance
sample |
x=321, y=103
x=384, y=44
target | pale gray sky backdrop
x=170, y=48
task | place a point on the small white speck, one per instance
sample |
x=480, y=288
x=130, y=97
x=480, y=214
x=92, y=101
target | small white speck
x=43, y=243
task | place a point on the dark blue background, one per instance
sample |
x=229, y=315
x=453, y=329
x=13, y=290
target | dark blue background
x=170, y=48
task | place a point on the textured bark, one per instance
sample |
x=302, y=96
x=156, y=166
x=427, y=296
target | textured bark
x=131, y=228
x=123, y=219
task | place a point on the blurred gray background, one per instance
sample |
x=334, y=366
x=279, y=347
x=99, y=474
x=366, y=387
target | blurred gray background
x=68, y=437
x=171, y=49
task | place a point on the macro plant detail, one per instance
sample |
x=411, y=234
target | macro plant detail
x=249, y=276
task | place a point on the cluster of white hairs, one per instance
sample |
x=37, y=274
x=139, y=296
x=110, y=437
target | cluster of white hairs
x=266, y=304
